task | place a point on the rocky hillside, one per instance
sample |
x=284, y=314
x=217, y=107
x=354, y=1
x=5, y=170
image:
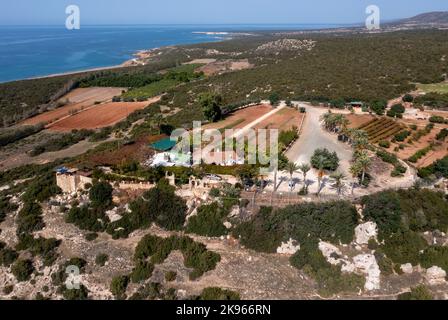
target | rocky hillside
x=425, y=19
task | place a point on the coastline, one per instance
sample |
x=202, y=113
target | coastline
x=134, y=62
x=139, y=60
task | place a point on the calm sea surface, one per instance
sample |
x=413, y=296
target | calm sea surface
x=32, y=51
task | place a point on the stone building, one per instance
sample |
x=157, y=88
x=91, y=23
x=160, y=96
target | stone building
x=72, y=180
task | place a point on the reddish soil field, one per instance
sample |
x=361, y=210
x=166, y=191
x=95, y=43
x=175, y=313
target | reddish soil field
x=100, y=116
x=439, y=151
x=284, y=120
x=357, y=120
x=78, y=99
x=241, y=118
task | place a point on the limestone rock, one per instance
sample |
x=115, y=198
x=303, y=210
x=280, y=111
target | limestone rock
x=290, y=247
x=407, y=268
x=113, y=215
x=330, y=252
x=366, y=263
x=435, y=275
x=366, y=231
x=234, y=212
x=228, y=225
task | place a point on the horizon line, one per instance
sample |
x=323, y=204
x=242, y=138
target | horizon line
x=200, y=24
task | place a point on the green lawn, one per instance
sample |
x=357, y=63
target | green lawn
x=161, y=86
x=152, y=89
x=434, y=87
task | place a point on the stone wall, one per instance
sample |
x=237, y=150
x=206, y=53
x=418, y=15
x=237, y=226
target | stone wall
x=70, y=183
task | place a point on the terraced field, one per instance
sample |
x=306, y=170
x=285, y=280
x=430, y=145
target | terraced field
x=381, y=129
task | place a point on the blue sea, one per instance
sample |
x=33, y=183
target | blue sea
x=34, y=51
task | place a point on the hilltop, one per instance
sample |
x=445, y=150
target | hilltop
x=428, y=19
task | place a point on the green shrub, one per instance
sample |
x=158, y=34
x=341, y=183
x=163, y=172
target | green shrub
x=208, y=221
x=399, y=170
x=387, y=157
x=196, y=255
x=378, y=106
x=46, y=248
x=418, y=293
x=8, y=290
x=441, y=136
x=29, y=218
x=101, y=194
x=383, y=208
x=329, y=278
x=330, y=221
x=75, y=294
x=420, y=154
x=274, y=99
x=91, y=236
x=170, y=276
x=401, y=136
x=437, y=119
x=142, y=271
x=6, y=207
x=118, y=286
x=408, y=98
x=215, y=192
x=396, y=110
x=213, y=293
x=85, y=218
x=435, y=256
x=404, y=247
x=101, y=259
x=22, y=270
x=328, y=160
x=7, y=256
x=439, y=169
x=384, y=144
x=385, y=264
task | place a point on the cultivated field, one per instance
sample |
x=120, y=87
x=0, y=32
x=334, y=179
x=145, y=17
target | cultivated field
x=100, y=116
x=358, y=120
x=285, y=119
x=75, y=101
x=381, y=129
x=240, y=118
x=434, y=87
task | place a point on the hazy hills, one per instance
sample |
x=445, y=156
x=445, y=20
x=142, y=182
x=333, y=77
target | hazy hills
x=428, y=19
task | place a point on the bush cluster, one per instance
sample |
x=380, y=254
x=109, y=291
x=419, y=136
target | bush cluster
x=196, y=255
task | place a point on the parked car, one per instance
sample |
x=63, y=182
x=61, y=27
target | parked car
x=248, y=184
x=213, y=177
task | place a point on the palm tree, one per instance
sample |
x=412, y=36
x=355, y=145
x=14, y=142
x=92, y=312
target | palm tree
x=328, y=118
x=321, y=173
x=363, y=161
x=355, y=170
x=291, y=167
x=344, y=126
x=338, y=178
x=305, y=168
x=360, y=139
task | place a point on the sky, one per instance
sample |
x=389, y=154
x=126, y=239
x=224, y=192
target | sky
x=96, y=12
